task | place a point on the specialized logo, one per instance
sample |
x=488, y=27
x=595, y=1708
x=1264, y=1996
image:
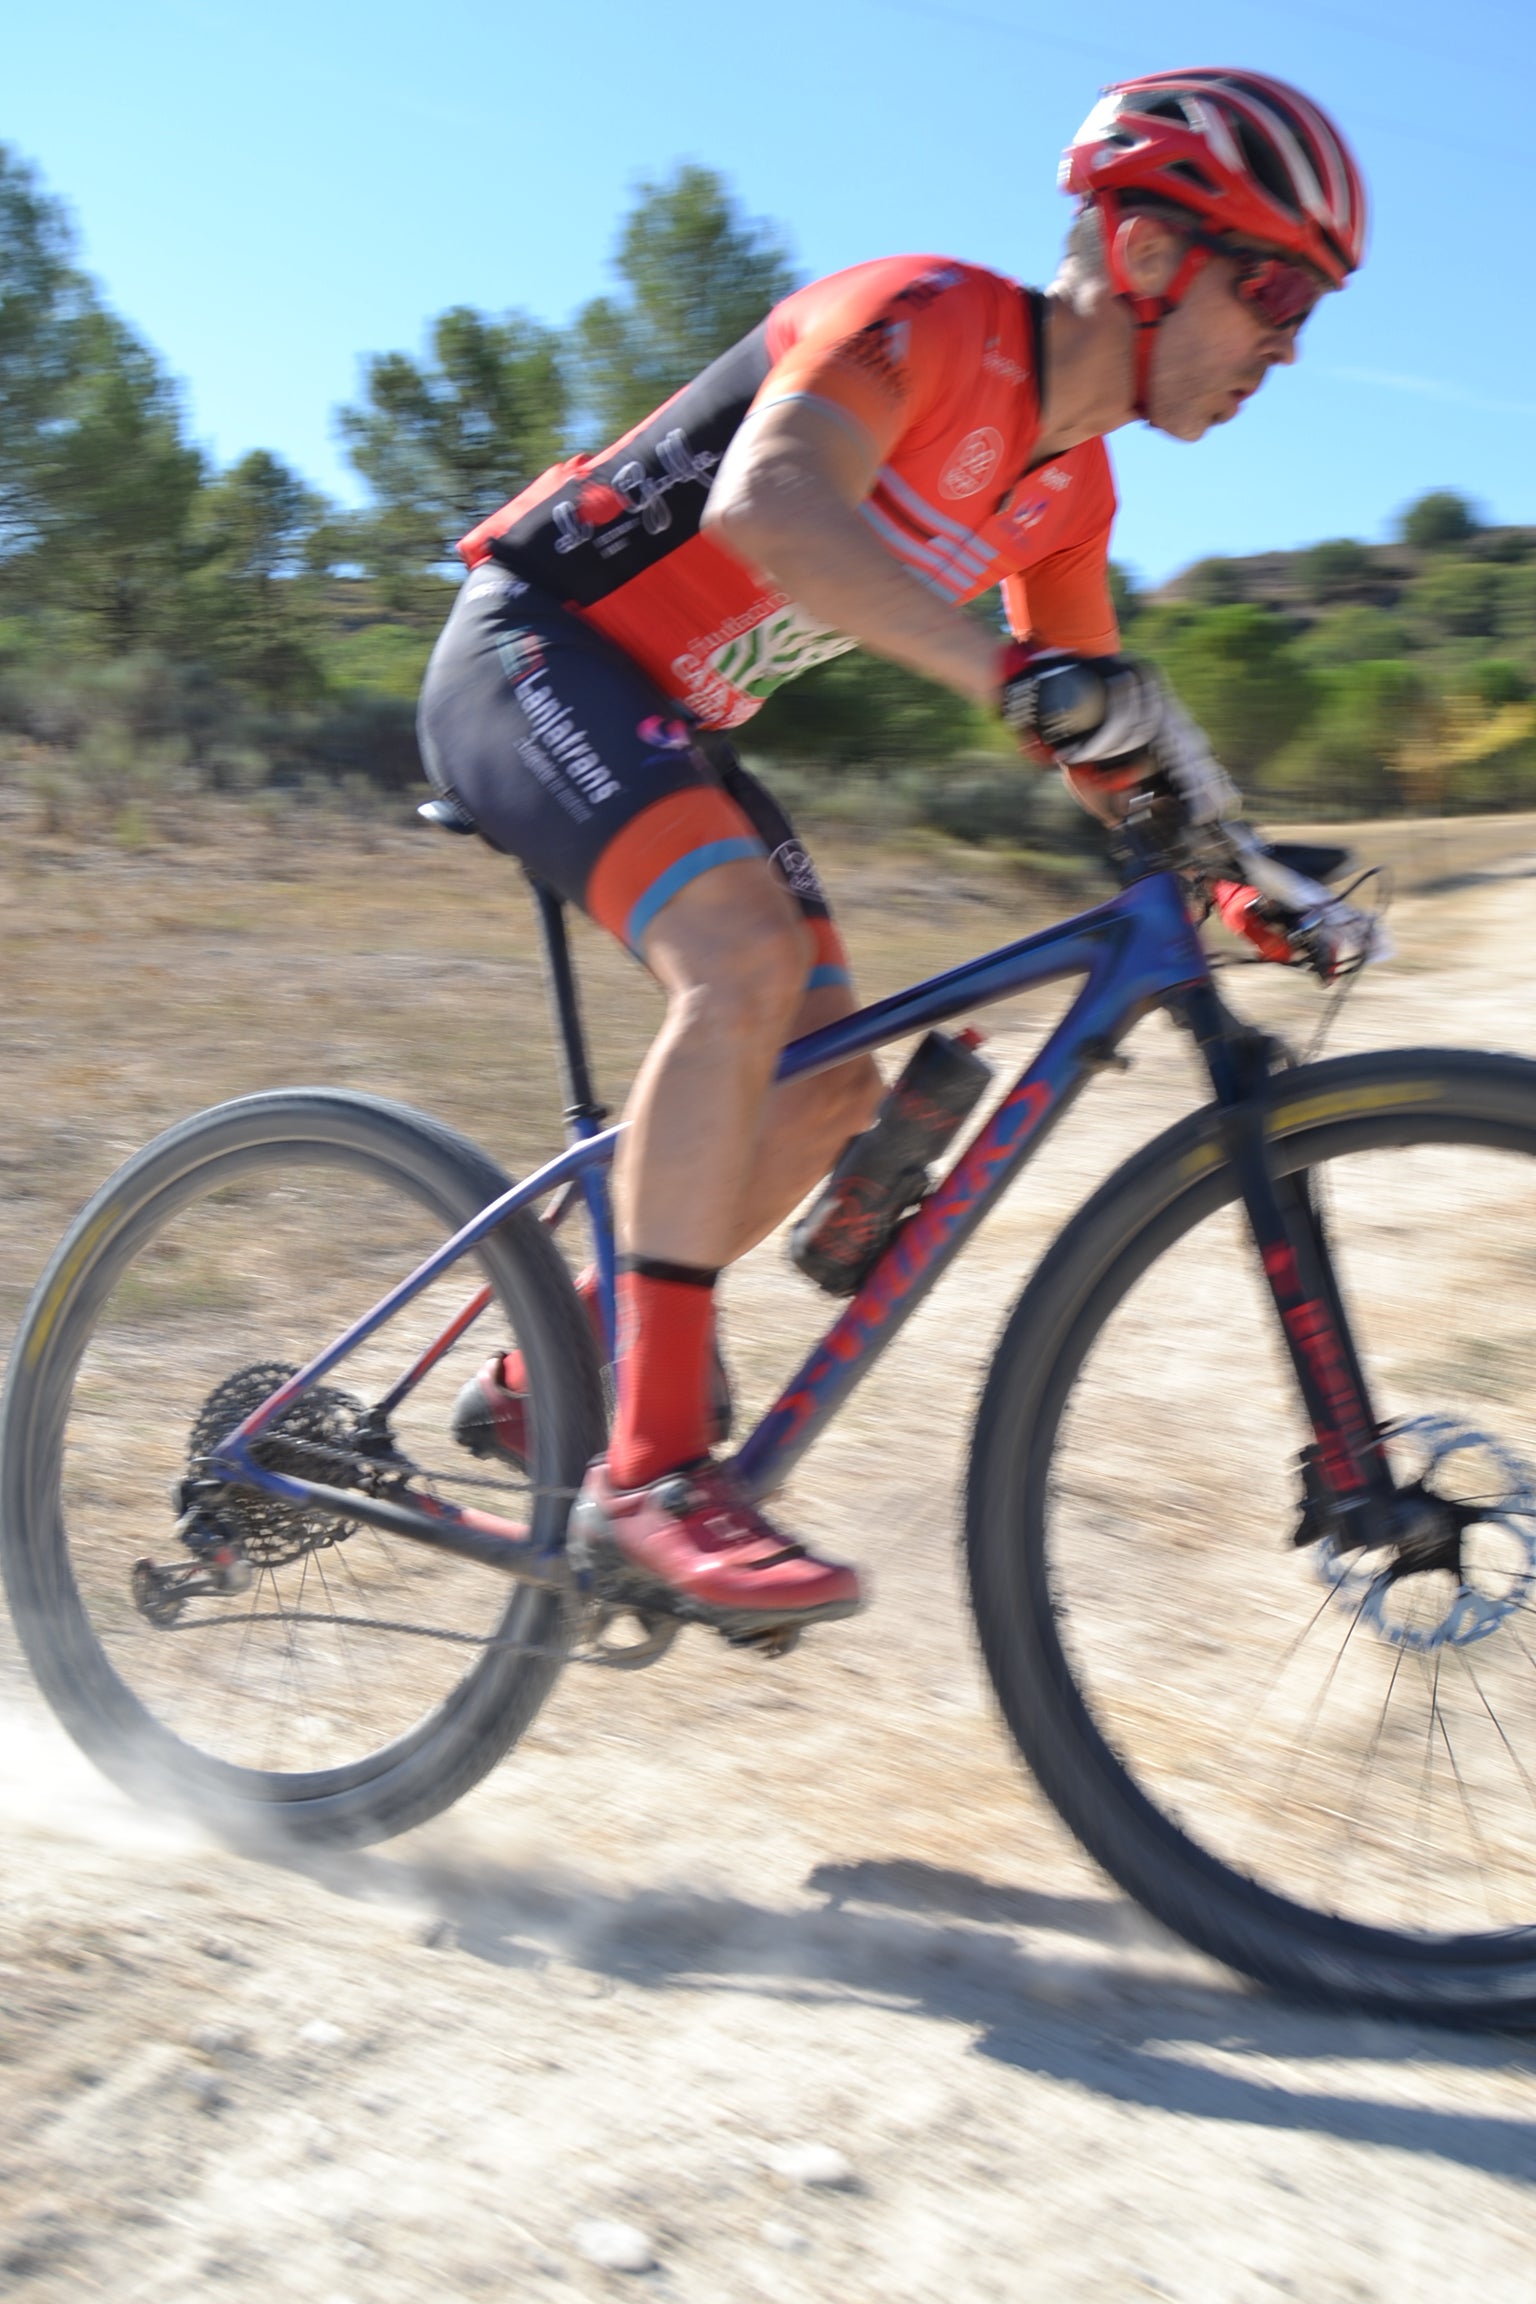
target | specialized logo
x=973, y=462
x=634, y=494
x=1310, y=1326
x=911, y=1253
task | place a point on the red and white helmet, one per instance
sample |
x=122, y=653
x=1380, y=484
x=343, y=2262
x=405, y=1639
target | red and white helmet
x=1245, y=154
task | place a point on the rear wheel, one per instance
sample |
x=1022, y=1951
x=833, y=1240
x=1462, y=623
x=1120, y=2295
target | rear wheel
x=331, y=1680
x=1319, y=1767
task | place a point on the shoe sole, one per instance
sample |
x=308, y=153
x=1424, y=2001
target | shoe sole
x=616, y=1579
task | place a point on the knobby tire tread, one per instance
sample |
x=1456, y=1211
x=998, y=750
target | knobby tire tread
x=1346, y=1104
x=443, y=1757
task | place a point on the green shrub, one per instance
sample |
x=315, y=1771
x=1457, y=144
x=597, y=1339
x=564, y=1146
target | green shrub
x=1338, y=570
x=1496, y=682
x=1216, y=583
x=1238, y=673
x=1438, y=520
x=1354, y=635
x=1460, y=597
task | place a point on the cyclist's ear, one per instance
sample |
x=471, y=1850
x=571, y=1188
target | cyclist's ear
x=1149, y=252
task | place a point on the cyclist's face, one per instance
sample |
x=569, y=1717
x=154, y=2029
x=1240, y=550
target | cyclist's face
x=1213, y=353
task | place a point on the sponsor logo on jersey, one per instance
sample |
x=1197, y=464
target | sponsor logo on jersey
x=607, y=512
x=752, y=662
x=927, y=285
x=799, y=874
x=520, y=651
x=664, y=735
x=880, y=350
x=973, y=462
x=1031, y=509
x=998, y=364
x=559, y=740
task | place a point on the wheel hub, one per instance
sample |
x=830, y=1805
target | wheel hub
x=1433, y=1583
x=315, y=1438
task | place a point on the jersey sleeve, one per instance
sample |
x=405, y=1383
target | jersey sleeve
x=1064, y=601
x=882, y=345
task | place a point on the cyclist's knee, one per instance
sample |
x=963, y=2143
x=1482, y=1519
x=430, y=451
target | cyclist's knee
x=853, y=1093
x=731, y=948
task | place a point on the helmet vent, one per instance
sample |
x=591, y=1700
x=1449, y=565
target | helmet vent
x=1267, y=165
x=1188, y=173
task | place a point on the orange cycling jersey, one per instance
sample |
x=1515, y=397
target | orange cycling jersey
x=939, y=363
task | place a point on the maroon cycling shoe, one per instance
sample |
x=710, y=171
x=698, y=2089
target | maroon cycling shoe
x=489, y=1419
x=691, y=1545
x=490, y=1416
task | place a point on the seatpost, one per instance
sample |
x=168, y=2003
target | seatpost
x=583, y=1114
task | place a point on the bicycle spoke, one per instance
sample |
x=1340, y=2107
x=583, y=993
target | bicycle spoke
x=1300, y=1723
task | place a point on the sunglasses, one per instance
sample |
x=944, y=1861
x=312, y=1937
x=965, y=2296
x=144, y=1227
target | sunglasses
x=1282, y=293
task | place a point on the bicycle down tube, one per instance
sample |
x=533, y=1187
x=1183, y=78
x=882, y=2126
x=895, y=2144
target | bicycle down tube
x=1134, y=952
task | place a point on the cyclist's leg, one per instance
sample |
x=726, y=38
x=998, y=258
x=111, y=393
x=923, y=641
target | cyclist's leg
x=805, y=1123
x=567, y=757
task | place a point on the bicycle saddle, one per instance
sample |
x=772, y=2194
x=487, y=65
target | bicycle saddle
x=448, y=814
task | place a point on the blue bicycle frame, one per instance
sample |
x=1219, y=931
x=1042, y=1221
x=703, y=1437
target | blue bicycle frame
x=1132, y=954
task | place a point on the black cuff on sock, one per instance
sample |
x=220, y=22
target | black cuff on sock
x=682, y=1275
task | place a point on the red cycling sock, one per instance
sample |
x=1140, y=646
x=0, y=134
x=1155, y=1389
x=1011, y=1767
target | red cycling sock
x=588, y=1287
x=666, y=1416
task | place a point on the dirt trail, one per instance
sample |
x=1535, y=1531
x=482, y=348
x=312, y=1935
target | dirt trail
x=728, y=1928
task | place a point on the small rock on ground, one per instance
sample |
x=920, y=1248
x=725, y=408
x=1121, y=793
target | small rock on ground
x=820, y=2166
x=616, y=2247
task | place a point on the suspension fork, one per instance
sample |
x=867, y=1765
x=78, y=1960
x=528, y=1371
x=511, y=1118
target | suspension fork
x=1347, y=1467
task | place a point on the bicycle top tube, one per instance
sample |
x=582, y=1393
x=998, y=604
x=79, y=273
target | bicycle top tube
x=1143, y=937
x=1134, y=949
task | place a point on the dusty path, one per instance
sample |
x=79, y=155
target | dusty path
x=714, y=1928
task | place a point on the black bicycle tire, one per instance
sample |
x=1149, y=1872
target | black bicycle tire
x=1347, y=1104
x=431, y=1765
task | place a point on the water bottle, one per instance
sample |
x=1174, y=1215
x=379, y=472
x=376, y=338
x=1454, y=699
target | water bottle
x=881, y=1173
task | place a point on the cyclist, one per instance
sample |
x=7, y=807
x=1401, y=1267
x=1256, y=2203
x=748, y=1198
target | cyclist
x=888, y=444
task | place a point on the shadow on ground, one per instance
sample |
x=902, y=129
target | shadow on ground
x=1081, y=1989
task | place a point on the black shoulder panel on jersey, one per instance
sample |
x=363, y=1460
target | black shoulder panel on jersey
x=637, y=502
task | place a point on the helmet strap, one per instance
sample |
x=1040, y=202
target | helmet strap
x=1149, y=312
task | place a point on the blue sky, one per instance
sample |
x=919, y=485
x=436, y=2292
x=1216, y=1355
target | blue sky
x=268, y=192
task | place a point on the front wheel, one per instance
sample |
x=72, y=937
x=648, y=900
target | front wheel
x=329, y=1681
x=1320, y=1769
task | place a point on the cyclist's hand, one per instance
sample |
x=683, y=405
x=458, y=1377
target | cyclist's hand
x=1286, y=916
x=1065, y=708
x=1112, y=727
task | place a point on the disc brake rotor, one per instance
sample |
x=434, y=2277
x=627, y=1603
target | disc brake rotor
x=1464, y=1604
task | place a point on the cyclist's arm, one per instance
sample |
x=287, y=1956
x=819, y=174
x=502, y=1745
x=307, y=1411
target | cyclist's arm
x=1064, y=601
x=786, y=499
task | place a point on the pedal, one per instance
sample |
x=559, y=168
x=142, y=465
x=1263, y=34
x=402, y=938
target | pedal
x=657, y=1634
x=622, y=1589
x=776, y=1640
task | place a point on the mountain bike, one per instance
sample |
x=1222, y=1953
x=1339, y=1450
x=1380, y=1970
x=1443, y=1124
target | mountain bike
x=1250, y=1520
